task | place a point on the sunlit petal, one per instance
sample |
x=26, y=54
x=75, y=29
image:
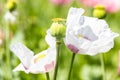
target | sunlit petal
x=23, y=53
x=40, y=63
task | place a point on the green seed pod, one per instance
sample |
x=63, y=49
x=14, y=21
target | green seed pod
x=57, y=30
x=99, y=11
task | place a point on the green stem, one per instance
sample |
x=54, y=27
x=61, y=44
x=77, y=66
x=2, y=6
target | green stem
x=7, y=52
x=102, y=66
x=71, y=65
x=57, y=57
x=47, y=76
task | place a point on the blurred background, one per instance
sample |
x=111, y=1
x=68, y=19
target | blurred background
x=33, y=18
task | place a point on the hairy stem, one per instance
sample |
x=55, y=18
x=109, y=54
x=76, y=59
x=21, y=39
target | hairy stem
x=58, y=42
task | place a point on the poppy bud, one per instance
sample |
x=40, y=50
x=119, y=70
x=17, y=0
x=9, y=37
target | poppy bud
x=11, y=5
x=99, y=11
x=57, y=30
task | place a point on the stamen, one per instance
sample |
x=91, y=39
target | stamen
x=80, y=36
x=39, y=57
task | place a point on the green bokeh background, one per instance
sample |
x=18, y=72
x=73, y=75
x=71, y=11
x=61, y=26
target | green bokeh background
x=34, y=18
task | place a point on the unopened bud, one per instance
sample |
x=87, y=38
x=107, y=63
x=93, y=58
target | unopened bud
x=11, y=5
x=57, y=30
x=99, y=11
x=58, y=20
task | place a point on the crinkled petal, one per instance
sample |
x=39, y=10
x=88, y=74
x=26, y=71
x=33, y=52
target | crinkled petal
x=74, y=16
x=102, y=45
x=87, y=33
x=100, y=49
x=91, y=37
x=97, y=25
x=23, y=53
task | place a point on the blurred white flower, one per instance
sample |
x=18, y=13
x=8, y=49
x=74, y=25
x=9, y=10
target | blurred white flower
x=40, y=63
x=10, y=16
x=87, y=35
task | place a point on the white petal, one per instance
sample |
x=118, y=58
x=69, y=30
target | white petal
x=10, y=17
x=74, y=16
x=87, y=33
x=97, y=25
x=20, y=67
x=102, y=45
x=49, y=39
x=75, y=42
x=100, y=49
x=23, y=53
x=71, y=39
x=45, y=64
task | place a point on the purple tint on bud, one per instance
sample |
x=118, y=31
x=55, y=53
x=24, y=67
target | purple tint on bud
x=73, y=48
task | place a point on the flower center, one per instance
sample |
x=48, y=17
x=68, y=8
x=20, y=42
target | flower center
x=86, y=33
x=80, y=36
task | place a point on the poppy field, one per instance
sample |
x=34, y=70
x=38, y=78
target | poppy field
x=59, y=40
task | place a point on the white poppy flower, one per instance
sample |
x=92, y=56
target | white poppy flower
x=40, y=63
x=87, y=35
x=10, y=16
